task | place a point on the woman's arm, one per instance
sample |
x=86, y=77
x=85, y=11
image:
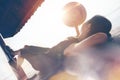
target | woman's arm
x=95, y=39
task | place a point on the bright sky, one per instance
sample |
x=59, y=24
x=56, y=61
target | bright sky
x=45, y=27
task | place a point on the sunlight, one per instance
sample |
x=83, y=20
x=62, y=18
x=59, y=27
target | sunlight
x=51, y=18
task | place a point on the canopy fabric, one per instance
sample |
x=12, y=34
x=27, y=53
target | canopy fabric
x=14, y=15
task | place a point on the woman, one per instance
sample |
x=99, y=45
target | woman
x=50, y=60
x=95, y=31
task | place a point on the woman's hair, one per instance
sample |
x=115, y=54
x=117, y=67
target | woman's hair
x=100, y=24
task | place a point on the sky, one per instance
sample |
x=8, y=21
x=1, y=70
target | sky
x=46, y=29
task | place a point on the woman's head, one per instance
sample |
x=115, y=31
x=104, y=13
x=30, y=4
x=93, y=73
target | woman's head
x=97, y=24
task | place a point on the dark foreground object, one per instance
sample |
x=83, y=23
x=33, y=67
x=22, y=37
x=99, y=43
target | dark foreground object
x=14, y=14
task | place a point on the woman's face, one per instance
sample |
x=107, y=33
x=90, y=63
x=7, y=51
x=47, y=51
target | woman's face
x=84, y=31
x=85, y=28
